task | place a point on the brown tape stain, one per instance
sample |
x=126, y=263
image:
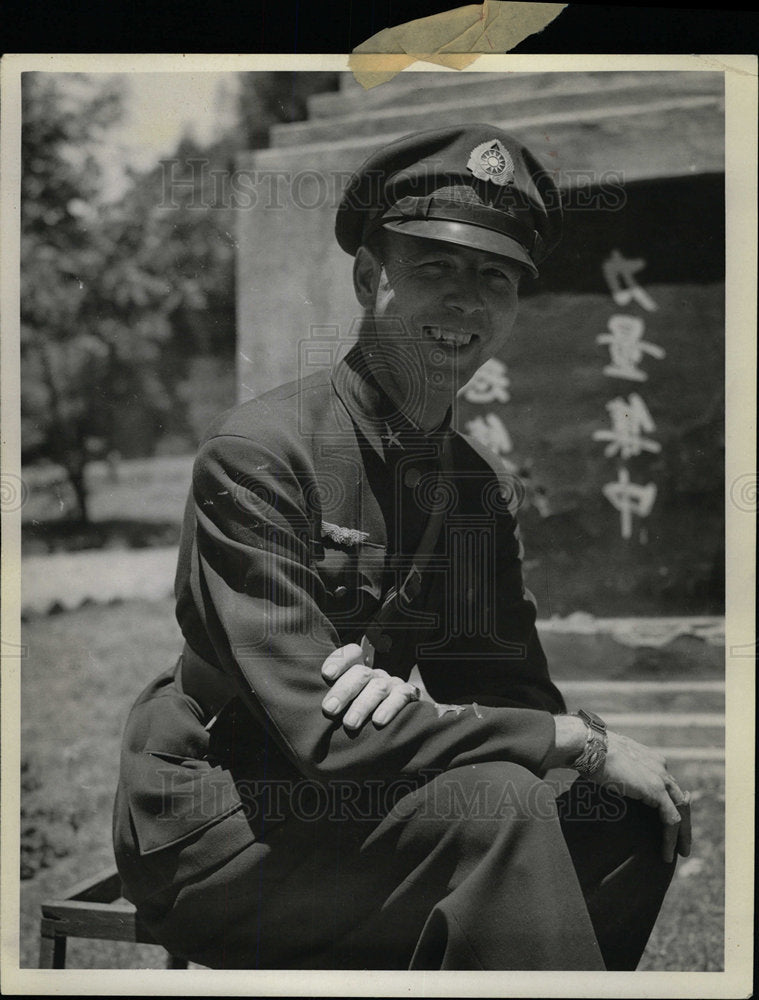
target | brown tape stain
x=453, y=38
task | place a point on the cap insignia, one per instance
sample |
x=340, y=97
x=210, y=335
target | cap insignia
x=491, y=161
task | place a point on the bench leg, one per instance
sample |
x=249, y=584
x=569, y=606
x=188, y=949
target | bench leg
x=52, y=952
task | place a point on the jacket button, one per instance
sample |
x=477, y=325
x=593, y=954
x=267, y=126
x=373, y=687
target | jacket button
x=411, y=477
x=340, y=593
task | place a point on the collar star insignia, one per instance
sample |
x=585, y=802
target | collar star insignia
x=491, y=161
x=392, y=437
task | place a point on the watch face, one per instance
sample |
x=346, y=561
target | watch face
x=593, y=720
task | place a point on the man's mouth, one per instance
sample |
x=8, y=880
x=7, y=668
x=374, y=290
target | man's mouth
x=454, y=337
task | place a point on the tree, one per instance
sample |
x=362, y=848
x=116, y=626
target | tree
x=95, y=300
x=116, y=297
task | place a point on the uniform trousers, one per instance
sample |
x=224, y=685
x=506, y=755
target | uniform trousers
x=480, y=867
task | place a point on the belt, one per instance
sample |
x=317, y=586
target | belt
x=206, y=684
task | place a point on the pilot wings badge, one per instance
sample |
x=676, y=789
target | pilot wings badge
x=491, y=161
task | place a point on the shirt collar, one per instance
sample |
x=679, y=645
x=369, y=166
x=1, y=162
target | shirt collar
x=385, y=427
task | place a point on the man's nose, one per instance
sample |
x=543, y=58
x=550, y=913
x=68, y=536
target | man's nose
x=464, y=296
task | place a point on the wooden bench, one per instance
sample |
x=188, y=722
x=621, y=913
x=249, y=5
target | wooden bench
x=95, y=908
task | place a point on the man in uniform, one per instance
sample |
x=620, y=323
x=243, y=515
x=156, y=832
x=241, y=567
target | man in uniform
x=340, y=532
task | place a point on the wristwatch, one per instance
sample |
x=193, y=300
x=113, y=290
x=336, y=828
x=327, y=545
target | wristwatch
x=593, y=756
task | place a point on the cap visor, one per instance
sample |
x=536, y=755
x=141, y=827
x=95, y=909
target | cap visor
x=476, y=237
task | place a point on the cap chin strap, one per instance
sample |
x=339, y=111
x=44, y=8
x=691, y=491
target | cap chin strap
x=446, y=210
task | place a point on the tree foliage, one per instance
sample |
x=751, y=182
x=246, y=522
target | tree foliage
x=98, y=289
x=116, y=298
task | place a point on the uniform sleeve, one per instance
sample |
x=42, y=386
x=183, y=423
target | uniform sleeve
x=261, y=599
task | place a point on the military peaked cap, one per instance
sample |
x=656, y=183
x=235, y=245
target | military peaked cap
x=468, y=184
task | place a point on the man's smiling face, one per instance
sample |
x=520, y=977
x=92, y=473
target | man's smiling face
x=440, y=310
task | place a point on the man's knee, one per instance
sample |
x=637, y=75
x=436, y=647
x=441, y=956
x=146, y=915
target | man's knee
x=612, y=814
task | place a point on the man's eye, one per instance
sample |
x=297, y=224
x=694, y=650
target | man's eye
x=434, y=265
x=499, y=273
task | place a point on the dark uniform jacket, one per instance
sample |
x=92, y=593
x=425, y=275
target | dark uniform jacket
x=307, y=506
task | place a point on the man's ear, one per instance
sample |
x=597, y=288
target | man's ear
x=366, y=274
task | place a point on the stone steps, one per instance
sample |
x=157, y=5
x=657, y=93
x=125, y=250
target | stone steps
x=684, y=719
x=498, y=105
x=422, y=88
x=669, y=698
x=626, y=142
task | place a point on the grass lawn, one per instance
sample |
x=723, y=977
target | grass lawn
x=82, y=672
x=93, y=662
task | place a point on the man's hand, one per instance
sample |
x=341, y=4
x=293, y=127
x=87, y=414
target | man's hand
x=368, y=692
x=634, y=770
x=641, y=773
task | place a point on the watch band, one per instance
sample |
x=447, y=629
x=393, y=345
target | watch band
x=593, y=756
